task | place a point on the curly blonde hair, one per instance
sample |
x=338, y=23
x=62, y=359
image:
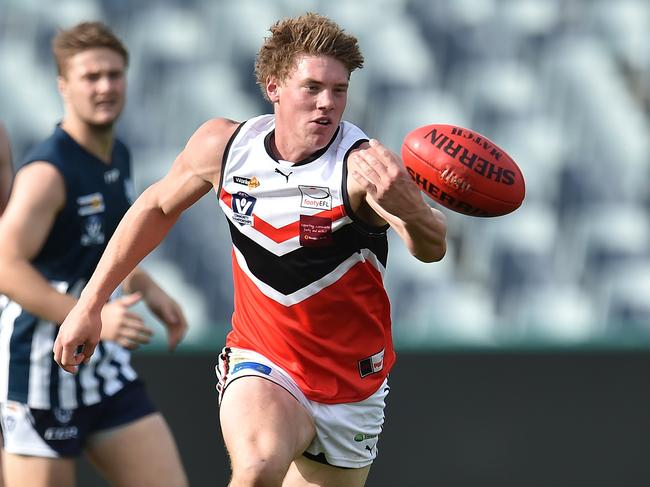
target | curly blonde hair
x=311, y=34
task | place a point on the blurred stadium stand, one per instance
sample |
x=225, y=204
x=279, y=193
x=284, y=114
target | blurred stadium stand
x=564, y=86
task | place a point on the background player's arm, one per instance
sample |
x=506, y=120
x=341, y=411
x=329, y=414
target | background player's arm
x=378, y=178
x=6, y=169
x=194, y=172
x=39, y=194
x=159, y=302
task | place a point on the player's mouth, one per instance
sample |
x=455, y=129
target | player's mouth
x=324, y=121
x=106, y=104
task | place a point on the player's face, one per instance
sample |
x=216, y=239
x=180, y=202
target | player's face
x=93, y=86
x=311, y=101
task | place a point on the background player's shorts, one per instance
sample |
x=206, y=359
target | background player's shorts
x=346, y=433
x=55, y=433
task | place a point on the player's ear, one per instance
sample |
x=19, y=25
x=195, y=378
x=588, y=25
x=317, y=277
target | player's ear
x=62, y=84
x=272, y=89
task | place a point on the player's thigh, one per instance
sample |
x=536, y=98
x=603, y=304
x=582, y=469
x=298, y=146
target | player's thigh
x=138, y=454
x=304, y=472
x=23, y=470
x=262, y=420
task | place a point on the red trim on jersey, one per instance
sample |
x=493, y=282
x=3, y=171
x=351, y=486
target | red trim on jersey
x=289, y=231
x=320, y=340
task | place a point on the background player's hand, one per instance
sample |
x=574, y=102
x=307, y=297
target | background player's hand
x=381, y=173
x=168, y=312
x=77, y=338
x=123, y=326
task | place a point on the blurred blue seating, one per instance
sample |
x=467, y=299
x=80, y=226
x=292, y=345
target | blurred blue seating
x=624, y=299
x=563, y=87
x=605, y=236
x=556, y=312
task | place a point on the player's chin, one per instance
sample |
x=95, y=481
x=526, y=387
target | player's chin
x=105, y=117
x=321, y=135
x=102, y=123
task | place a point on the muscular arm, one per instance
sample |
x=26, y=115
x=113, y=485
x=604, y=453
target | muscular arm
x=6, y=169
x=39, y=194
x=194, y=172
x=384, y=193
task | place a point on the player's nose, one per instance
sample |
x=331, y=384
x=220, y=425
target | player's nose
x=326, y=100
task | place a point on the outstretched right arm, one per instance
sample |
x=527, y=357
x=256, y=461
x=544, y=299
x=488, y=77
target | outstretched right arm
x=195, y=171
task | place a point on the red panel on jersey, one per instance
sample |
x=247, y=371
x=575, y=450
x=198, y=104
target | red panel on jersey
x=321, y=340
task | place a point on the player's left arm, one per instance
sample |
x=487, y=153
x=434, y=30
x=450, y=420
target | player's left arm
x=163, y=306
x=379, y=174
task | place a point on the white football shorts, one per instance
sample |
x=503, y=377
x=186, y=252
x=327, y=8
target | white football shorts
x=346, y=433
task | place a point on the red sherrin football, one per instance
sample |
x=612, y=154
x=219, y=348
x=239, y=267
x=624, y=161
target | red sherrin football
x=463, y=170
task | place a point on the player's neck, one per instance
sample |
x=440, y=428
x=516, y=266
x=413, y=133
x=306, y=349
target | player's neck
x=98, y=140
x=288, y=149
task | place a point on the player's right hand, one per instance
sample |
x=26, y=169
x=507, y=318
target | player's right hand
x=77, y=338
x=123, y=326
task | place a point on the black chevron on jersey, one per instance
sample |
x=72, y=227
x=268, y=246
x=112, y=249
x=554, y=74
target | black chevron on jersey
x=296, y=270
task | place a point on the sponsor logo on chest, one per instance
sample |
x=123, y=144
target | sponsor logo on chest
x=242, y=208
x=315, y=197
x=90, y=204
x=251, y=183
x=315, y=231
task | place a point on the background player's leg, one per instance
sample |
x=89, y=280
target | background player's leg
x=264, y=428
x=23, y=470
x=305, y=472
x=138, y=454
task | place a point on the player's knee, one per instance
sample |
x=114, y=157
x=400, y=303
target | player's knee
x=258, y=472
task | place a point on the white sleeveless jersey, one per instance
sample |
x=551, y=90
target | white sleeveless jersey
x=308, y=275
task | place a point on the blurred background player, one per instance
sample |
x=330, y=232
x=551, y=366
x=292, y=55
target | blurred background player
x=303, y=378
x=6, y=168
x=6, y=177
x=68, y=197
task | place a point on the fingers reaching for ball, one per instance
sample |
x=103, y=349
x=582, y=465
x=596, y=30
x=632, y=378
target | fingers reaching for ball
x=381, y=174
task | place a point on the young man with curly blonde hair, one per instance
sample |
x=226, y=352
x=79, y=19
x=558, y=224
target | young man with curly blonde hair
x=308, y=199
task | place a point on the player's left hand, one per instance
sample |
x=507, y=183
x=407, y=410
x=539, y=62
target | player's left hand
x=381, y=173
x=168, y=312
